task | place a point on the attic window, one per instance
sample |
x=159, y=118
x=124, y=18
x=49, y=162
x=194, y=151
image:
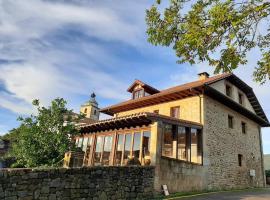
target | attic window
x=138, y=94
x=229, y=90
x=240, y=98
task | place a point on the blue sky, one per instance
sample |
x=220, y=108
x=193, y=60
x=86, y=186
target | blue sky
x=68, y=49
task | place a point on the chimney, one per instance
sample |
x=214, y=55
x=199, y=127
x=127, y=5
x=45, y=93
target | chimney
x=203, y=76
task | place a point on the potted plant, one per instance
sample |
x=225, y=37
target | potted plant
x=267, y=174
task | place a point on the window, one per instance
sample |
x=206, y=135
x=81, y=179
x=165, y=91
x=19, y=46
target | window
x=146, y=144
x=138, y=94
x=240, y=160
x=196, y=146
x=88, y=151
x=175, y=112
x=85, y=110
x=182, y=143
x=119, y=150
x=230, y=121
x=167, y=145
x=95, y=112
x=229, y=90
x=182, y=140
x=80, y=142
x=84, y=145
x=107, y=150
x=128, y=138
x=136, y=145
x=98, y=150
x=76, y=142
x=156, y=111
x=240, y=98
x=244, y=128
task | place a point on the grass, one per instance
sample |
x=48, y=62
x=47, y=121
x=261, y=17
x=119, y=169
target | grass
x=179, y=195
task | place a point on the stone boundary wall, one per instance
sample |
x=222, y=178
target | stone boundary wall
x=98, y=183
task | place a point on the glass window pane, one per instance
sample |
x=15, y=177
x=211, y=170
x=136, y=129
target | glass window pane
x=146, y=148
x=76, y=142
x=84, y=145
x=88, y=151
x=107, y=150
x=175, y=112
x=167, y=144
x=98, y=150
x=182, y=153
x=127, y=147
x=80, y=142
x=119, y=150
x=146, y=143
x=196, y=146
x=136, y=145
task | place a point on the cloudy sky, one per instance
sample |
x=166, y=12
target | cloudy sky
x=68, y=49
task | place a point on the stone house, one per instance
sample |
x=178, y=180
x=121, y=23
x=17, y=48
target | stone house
x=201, y=135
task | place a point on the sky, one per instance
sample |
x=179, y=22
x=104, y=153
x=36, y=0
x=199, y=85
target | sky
x=69, y=49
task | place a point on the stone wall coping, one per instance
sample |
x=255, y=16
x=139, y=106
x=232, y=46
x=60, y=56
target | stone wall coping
x=73, y=169
x=182, y=161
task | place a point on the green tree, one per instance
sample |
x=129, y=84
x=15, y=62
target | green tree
x=43, y=139
x=197, y=29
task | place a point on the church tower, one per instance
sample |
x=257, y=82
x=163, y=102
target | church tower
x=90, y=108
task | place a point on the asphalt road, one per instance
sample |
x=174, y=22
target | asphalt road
x=263, y=194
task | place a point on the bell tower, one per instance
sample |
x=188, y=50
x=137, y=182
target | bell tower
x=90, y=108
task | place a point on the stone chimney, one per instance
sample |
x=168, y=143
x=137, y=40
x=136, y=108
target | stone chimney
x=203, y=76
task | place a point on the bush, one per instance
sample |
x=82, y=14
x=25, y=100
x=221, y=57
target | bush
x=267, y=173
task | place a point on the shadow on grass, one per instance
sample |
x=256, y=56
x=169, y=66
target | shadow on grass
x=178, y=195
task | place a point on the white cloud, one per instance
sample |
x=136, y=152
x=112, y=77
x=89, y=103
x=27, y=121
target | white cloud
x=33, y=19
x=47, y=71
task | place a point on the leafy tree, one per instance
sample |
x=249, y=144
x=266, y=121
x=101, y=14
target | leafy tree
x=43, y=139
x=196, y=30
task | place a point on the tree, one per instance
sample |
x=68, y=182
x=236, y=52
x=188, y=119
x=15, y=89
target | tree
x=196, y=30
x=43, y=139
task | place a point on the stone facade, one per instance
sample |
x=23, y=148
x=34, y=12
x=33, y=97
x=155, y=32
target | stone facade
x=189, y=109
x=97, y=183
x=223, y=144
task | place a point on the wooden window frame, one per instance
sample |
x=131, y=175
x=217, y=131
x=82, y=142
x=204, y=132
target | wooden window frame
x=229, y=90
x=137, y=91
x=171, y=111
x=241, y=100
x=230, y=121
x=187, y=147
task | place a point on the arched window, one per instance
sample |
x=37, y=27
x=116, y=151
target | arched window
x=85, y=110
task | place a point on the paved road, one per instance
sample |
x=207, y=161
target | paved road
x=238, y=195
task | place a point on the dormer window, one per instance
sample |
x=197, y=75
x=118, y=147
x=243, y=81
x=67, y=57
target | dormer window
x=138, y=94
x=140, y=89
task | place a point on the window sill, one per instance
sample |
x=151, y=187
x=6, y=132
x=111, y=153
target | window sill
x=181, y=161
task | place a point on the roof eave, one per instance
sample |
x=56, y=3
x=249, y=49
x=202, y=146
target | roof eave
x=215, y=94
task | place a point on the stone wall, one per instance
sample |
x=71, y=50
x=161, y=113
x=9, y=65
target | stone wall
x=180, y=176
x=98, y=183
x=223, y=144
